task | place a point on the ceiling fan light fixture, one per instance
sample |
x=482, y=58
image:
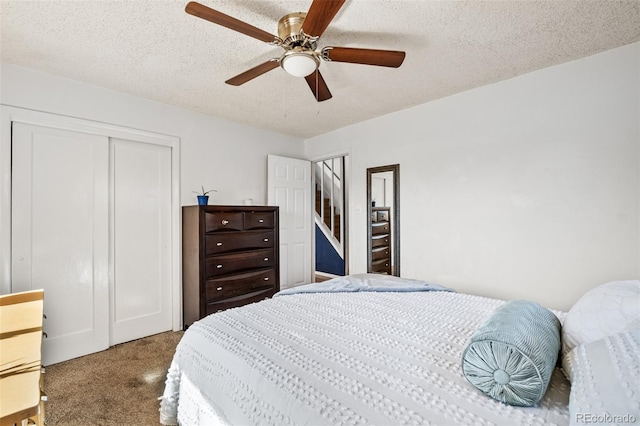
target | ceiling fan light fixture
x=299, y=63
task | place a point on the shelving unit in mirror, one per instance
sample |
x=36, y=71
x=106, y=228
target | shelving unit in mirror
x=380, y=240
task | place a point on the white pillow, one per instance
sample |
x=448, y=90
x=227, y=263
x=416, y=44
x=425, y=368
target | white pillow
x=605, y=380
x=610, y=308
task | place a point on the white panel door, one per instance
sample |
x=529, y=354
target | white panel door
x=60, y=237
x=289, y=187
x=141, y=239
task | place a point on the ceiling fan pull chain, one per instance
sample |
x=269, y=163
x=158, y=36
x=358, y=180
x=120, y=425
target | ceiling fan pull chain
x=317, y=93
x=284, y=106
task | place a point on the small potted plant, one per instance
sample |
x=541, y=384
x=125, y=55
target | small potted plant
x=203, y=197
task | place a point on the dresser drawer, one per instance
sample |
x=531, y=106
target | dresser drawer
x=234, y=302
x=379, y=228
x=216, y=266
x=258, y=220
x=381, y=266
x=222, y=221
x=219, y=242
x=235, y=285
x=382, y=216
x=380, y=241
x=380, y=253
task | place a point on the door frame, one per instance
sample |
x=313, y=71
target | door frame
x=9, y=115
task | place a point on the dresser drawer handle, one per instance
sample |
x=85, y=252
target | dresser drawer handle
x=266, y=240
x=219, y=288
x=266, y=259
x=225, y=221
x=218, y=266
x=218, y=244
x=266, y=278
x=261, y=221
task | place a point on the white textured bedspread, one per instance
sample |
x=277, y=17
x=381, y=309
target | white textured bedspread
x=341, y=359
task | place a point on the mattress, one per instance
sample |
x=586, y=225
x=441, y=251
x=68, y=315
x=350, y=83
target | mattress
x=382, y=358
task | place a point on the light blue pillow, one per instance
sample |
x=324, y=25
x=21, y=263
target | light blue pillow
x=511, y=357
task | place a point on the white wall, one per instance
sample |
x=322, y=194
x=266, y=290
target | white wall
x=527, y=188
x=216, y=153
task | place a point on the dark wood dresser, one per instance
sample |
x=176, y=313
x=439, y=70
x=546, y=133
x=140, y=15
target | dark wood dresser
x=380, y=240
x=230, y=257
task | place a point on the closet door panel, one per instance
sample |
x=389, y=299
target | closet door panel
x=60, y=234
x=141, y=223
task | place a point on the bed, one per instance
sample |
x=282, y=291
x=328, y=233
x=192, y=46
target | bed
x=337, y=353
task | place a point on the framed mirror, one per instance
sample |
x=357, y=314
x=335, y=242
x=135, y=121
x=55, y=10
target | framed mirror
x=383, y=220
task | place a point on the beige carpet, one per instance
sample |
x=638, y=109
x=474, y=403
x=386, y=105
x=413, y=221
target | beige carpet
x=119, y=386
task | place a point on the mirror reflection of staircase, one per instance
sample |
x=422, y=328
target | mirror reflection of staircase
x=323, y=208
x=329, y=218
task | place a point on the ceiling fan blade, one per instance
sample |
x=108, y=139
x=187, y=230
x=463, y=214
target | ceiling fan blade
x=318, y=86
x=253, y=72
x=204, y=12
x=320, y=15
x=383, y=58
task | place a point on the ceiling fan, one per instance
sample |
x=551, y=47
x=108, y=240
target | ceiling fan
x=298, y=35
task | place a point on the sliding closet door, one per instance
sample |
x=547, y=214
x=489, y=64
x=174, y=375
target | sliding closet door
x=60, y=234
x=141, y=239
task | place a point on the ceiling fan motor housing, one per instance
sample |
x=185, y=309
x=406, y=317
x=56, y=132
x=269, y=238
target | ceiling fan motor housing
x=299, y=58
x=290, y=32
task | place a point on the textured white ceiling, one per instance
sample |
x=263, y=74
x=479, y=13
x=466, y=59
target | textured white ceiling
x=153, y=49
